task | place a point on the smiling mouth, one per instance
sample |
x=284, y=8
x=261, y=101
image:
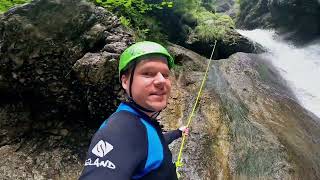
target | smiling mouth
x=158, y=94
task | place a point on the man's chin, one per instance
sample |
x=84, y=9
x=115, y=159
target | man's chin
x=158, y=106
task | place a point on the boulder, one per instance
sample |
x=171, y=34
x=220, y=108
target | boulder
x=44, y=54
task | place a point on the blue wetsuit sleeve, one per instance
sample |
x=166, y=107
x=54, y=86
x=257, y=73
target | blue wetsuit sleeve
x=172, y=135
x=117, y=150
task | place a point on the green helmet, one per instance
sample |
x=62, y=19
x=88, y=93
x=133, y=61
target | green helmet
x=140, y=49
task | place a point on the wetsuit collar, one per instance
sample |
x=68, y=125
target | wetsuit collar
x=131, y=108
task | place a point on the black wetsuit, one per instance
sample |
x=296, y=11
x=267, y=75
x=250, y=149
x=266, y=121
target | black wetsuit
x=130, y=145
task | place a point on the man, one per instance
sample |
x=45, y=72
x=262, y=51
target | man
x=130, y=143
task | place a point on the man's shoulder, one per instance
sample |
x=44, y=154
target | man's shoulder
x=123, y=120
x=123, y=115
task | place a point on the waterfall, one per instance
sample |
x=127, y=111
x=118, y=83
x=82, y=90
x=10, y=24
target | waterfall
x=299, y=66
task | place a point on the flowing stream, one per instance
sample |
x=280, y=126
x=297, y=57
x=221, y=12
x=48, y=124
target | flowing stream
x=299, y=66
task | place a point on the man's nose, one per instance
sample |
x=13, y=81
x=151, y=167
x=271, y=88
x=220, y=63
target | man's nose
x=159, y=78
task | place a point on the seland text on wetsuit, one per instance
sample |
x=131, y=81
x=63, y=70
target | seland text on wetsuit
x=130, y=145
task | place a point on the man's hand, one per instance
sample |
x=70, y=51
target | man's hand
x=185, y=130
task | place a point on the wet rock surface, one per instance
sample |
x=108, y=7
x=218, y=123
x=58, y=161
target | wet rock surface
x=200, y=161
x=272, y=136
x=248, y=124
x=297, y=20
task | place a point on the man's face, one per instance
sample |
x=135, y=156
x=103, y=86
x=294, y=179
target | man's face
x=151, y=84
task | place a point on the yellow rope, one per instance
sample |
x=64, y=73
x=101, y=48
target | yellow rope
x=178, y=162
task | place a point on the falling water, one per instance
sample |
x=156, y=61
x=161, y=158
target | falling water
x=299, y=66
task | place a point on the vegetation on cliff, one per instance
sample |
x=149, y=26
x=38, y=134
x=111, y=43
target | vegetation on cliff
x=209, y=25
x=134, y=14
x=6, y=4
x=141, y=15
x=190, y=23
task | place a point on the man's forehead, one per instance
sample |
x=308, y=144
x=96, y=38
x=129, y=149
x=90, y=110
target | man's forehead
x=154, y=58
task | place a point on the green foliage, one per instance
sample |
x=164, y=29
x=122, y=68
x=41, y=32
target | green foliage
x=7, y=4
x=168, y=4
x=152, y=30
x=131, y=11
x=133, y=14
x=209, y=25
x=212, y=26
x=184, y=6
x=124, y=21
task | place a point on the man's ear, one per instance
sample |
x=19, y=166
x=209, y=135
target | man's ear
x=125, y=82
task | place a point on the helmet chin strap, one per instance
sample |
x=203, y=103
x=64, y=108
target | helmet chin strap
x=131, y=98
x=138, y=106
x=154, y=114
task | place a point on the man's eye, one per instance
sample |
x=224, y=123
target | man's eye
x=165, y=75
x=147, y=74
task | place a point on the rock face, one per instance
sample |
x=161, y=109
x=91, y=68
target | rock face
x=58, y=73
x=248, y=124
x=207, y=147
x=230, y=45
x=40, y=49
x=301, y=18
x=272, y=136
x=221, y=6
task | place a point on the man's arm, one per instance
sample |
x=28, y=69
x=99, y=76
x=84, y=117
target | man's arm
x=117, y=150
x=172, y=135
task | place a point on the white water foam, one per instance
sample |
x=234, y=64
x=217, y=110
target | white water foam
x=299, y=66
